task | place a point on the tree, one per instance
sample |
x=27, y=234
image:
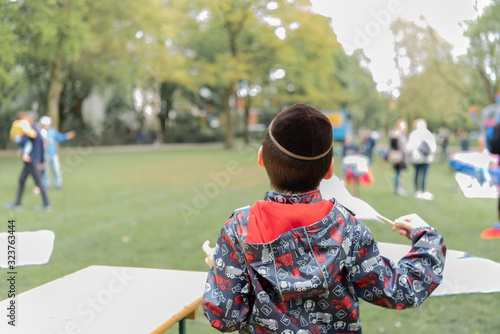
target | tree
x=366, y=105
x=483, y=55
x=8, y=51
x=68, y=49
x=128, y=50
x=310, y=55
x=76, y=45
x=169, y=59
x=55, y=33
x=427, y=95
x=431, y=82
x=279, y=46
x=225, y=22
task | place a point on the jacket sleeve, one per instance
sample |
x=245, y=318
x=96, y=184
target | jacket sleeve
x=27, y=129
x=228, y=292
x=400, y=285
x=59, y=136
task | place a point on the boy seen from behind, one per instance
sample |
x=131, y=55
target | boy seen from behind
x=297, y=263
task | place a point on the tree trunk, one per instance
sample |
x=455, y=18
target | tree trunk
x=56, y=85
x=167, y=90
x=229, y=117
x=162, y=116
x=62, y=117
x=246, y=134
x=78, y=109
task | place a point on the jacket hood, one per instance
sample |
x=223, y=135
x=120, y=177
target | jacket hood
x=302, y=262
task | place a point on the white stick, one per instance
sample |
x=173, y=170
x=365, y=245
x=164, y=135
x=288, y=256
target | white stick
x=385, y=219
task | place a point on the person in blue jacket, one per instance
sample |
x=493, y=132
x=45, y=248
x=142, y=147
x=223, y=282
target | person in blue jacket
x=52, y=162
x=32, y=166
x=297, y=263
x=490, y=117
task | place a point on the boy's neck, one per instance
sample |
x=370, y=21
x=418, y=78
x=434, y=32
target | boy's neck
x=286, y=192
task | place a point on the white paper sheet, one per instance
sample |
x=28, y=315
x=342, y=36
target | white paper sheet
x=30, y=248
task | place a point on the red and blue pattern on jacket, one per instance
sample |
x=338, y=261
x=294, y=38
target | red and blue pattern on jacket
x=308, y=280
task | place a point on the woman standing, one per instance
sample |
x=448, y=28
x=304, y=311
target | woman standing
x=397, y=156
x=421, y=150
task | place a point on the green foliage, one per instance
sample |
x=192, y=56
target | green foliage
x=428, y=96
x=309, y=55
x=433, y=85
x=9, y=50
x=7, y=56
x=366, y=105
x=240, y=40
x=65, y=50
x=483, y=55
x=438, y=87
x=190, y=129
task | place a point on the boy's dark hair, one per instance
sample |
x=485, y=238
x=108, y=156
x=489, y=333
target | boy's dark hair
x=297, y=149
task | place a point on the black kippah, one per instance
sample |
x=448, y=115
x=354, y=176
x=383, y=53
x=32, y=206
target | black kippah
x=302, y=132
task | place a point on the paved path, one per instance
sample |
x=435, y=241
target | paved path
x=128, y=148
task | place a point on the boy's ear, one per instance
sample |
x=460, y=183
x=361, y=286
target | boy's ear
x=260, y=160
x=329, y=173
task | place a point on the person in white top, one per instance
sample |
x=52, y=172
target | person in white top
x=421, y=149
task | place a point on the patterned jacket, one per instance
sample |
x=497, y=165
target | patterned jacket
x=52, y=137
x=308, y=280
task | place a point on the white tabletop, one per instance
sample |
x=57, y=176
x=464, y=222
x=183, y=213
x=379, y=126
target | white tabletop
x=100, y=299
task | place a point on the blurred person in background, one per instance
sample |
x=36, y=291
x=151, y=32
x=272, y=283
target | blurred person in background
x=33, y=167
x=489, y=124
x=368, y=144
x=421, y=150
x=51, y=137
x=464, y=140
x=397, y=154
x=444, y=144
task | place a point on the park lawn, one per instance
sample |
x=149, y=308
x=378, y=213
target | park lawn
x=154, y=208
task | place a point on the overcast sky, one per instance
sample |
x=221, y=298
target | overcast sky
x=365, y=24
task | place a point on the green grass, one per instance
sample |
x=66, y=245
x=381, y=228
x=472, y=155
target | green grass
x=153, y=198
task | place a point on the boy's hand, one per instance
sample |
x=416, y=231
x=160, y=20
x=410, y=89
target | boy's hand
x=210, y=253
x=406, y=224
x=26, y=158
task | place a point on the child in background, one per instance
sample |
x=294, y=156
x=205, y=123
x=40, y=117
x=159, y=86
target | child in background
x=52, y=162
x=22, y=127
x=297, y=263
